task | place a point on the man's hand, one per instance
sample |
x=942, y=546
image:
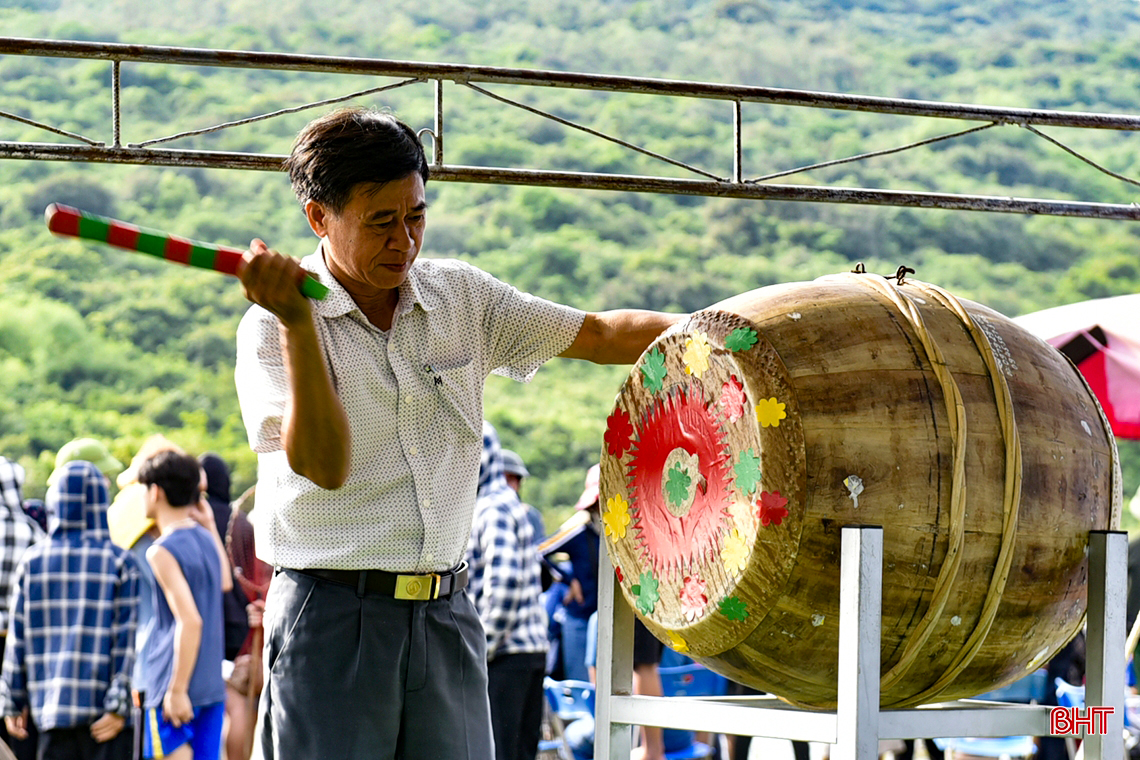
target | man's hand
x=574, y=593
x=17, y=725
x=176, y=707
x=107, y=727
x=272, y=280
x=202, y=514
x=255, y=612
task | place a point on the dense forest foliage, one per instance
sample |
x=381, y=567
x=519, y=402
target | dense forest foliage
x=115, y=345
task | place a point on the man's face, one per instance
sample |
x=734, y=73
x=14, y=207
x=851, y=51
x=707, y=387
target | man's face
x=150, y=501
x=372, y=243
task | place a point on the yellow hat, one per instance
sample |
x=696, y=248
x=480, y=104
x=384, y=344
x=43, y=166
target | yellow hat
x=126, y=517
x=151, y=446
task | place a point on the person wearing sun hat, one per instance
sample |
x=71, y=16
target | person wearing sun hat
x=579, y=537
x=514, y=471
x=87, y=450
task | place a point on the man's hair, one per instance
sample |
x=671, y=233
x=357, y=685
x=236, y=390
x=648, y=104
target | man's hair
x=348, y=146
x=177, y=474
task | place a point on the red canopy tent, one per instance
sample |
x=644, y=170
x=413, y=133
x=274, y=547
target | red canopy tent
x=1102, y=337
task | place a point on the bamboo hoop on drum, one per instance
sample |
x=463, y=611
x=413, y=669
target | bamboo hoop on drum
x=1012, y=481
x=956, y=412
x=1012, y=493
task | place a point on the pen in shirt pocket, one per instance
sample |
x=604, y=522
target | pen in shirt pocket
x=430, y=370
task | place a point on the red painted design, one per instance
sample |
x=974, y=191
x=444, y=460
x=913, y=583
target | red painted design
x=732, y=399
x=177, y=250
x=227, y=261
x=681, y=420
x=693, y=597
x=63, y=220
x=619, y=431
x=771, y=508
x=123, y=235
x=620, y=575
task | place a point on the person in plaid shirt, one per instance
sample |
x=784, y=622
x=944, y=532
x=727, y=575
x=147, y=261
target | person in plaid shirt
x=506, y=586
x=17, y=533
x=72, y=615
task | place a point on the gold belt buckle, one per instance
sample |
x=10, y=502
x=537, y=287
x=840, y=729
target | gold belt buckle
x=417, y=587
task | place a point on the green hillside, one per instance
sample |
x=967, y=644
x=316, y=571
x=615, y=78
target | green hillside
x=104, y=343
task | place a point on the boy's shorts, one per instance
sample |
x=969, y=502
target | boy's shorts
x=204, y=732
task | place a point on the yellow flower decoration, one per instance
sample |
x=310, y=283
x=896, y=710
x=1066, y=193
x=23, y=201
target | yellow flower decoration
x=735, y=552
x=616, y=516
x=696, y=355
x=770, y=411
x=677, y=644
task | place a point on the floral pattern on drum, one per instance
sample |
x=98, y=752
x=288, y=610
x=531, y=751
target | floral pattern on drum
x=681, y=428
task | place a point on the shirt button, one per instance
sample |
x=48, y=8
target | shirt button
x=426, y=503
x=429, y=558
x=413, y=451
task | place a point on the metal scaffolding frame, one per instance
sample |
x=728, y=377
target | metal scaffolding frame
x=708, y=184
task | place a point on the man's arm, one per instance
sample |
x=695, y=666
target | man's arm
x=202, y=514
x=314, y=427
x=620, y=336
x=176, y=704
x=14, y=685
x=117, y=700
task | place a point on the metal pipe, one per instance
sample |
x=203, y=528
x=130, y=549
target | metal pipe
x=738, y=139
x=492, y=74
x=438, y=144
x=116, y=113
x=590, y=181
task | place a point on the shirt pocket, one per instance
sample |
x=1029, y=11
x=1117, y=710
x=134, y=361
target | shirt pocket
x=459, y=390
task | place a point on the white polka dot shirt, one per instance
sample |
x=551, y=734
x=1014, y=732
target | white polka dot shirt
x=414, y=400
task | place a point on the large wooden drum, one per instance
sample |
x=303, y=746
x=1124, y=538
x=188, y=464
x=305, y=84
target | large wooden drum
x=745, y=438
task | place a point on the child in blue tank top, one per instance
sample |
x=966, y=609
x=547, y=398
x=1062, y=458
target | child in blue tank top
x=185, y=691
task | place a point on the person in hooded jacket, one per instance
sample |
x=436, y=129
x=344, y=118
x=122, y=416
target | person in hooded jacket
x=17, y=532
x=235, y=600
x=249, y=573
x=71, y=628
x=506, y=587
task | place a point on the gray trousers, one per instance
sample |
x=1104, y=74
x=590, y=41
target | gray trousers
x=370, y=676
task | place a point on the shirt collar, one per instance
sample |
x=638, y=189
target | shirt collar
x=413, y=290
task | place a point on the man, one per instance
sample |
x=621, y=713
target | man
x=505, y=586
x=72, y=628
x=17, y=533
x=366, y=409
x=579, y=538
x=185, y=693
x=514, y=470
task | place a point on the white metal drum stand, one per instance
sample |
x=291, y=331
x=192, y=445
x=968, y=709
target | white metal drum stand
x=857, y=724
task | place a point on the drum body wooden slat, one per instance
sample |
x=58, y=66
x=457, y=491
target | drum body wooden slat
x=723, y=517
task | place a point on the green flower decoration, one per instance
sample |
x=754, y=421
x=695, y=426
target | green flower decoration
x=653, y=371
x=741, y=339
x=677, y=485
x=647, y=595
x=747, y=471
x=733, y=609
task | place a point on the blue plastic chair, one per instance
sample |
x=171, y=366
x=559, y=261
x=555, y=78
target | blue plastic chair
x=1027, y=690
x=569, y=701
x=688, y=680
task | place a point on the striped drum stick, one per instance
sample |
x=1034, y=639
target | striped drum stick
x=65, y=220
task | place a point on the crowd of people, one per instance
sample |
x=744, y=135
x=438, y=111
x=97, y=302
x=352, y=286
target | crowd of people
x=130, y=625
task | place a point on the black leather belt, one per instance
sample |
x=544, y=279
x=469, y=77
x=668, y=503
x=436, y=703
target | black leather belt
x=413, y=587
